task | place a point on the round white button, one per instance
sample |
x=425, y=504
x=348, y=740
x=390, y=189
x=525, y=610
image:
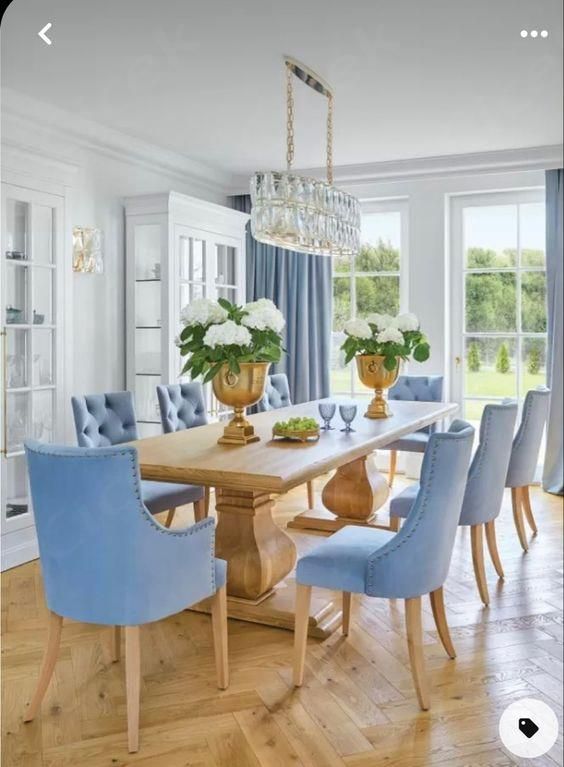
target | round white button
x=528, y=728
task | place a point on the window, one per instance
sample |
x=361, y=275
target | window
x=368, y=282
x=504, y=298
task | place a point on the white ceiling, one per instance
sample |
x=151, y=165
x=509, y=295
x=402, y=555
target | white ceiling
x=413, y=78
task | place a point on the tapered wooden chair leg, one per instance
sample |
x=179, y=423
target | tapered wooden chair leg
x=303, y=599
x=394, y=524
x=346, y=612
x=170, y=517
x=207, y=492
x=310, y=495
x=200, y=510
x=48, y=665
x=476, y=534
x=526, y=502
x=219, y=626
x=492, y=548
x=116, y=643
x=516, y=501
x=393, y=463
x=415, y=647
x=132, y=685
x=439, y=614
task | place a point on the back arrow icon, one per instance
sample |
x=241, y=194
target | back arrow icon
x=42, y=34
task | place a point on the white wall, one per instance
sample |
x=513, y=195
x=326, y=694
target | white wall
x=99, y=300
x=98, y=168
x=428, y=273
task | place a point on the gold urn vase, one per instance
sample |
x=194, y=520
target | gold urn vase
x=374, y=375
x=240, y=390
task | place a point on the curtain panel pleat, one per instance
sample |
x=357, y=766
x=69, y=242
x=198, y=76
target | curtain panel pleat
x=553, y=480
x=300, y=285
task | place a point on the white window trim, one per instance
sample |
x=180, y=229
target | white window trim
x=457, y=299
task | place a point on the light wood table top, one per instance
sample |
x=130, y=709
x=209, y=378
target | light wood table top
x=274, y=466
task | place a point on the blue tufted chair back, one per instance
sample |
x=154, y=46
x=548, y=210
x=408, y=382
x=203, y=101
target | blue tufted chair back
x=182, y=406
x=416, y=560
x=276, y=394
x=104, y=419
x=418, y=388
x=104, y=558
x=486, y=477
x=526, y=445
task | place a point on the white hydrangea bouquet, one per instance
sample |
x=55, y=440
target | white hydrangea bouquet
x=386, y=336
x=219, y=332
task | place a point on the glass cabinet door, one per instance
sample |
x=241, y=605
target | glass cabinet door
x=29, y=335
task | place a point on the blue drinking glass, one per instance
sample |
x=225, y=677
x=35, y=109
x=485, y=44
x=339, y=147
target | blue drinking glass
x=327, y=411
x=348, y=414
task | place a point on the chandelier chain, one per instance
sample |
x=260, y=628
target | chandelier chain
x=330, y=139
x=289, y=119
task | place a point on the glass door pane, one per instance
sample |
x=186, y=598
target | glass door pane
x=17, y=293
x=42, y=222
x=43, y=280
x=17, y=342
x=43, y=415
x=17, y=420
x=17, y=227
x=43, y=358
x=17, y=496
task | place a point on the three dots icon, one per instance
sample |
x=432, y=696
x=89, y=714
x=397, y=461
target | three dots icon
x=534, y=33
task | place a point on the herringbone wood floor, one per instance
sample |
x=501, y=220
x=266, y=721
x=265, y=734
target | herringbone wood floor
x=357, y=708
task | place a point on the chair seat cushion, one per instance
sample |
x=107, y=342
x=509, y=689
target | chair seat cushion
x=401, y=504
x=411, y=443
x=220, y=573
x=161, y=496
x=340, y=562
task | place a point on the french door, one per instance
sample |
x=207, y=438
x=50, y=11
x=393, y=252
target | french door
x=31, y=306
x=498, y=297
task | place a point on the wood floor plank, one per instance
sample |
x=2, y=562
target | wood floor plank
x=357, y=707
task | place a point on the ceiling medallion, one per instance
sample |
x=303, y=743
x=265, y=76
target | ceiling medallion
x=300, y=213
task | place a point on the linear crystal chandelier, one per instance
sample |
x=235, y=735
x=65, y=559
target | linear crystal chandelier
x=301, y=213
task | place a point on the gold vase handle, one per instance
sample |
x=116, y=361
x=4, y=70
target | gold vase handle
x=231, y=379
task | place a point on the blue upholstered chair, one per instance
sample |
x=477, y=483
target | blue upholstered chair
x=524, y=457
x=106, y=560
x=277, y=395
x=182, y=406
x=418, y=388
x=484, y=489
x=404, y=565
x=102, y=420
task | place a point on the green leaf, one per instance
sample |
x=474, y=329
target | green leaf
x=422, y=352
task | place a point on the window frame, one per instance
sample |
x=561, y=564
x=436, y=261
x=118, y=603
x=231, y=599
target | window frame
x=460, y=271
x=370, y=206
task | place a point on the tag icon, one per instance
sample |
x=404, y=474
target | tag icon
x=528, y=727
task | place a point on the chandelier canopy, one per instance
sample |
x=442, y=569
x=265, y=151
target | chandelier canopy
x=300, y=213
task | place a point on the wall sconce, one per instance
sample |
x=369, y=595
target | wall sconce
x=87, y=253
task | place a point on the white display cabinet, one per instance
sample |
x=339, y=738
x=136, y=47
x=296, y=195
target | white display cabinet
x=178, y=248
x=33, y=387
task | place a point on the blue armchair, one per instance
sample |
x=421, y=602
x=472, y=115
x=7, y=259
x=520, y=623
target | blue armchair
x=524, y=457
x=404, y=565
x=106, y=560
x=182, y=406
x=277, y=395
x=418, y=388
x=109, y=419
x=484, y=489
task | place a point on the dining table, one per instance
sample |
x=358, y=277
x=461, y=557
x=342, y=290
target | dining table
x=247, y=480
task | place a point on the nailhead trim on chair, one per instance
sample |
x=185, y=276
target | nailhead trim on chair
x=204, y=523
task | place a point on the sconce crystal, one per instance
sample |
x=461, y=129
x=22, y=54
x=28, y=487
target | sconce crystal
x=87, y=253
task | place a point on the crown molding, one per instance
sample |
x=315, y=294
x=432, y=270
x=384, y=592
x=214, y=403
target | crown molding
x=500, y=161
x=19, y=112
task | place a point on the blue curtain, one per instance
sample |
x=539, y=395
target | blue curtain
x=553, y=479
x=301, y=287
